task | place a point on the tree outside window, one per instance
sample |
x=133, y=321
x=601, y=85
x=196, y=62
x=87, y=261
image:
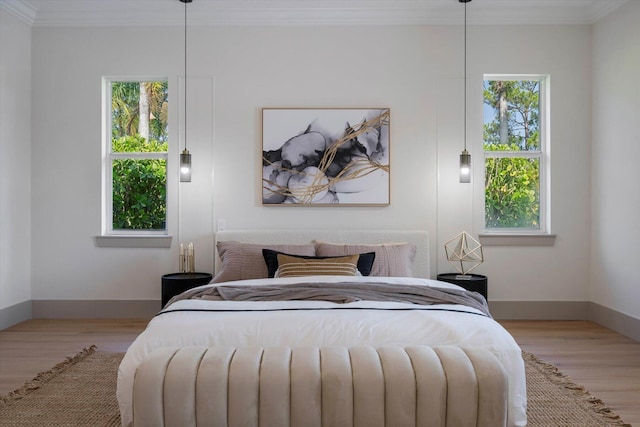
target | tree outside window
x=514, y=154
x=137, y=152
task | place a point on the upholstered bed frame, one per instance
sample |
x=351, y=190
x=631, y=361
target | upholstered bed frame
x=336, y=386
x=419, y=238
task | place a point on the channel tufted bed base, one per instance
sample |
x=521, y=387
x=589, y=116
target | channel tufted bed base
x=332, y=386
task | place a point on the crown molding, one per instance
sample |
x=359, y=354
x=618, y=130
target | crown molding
x=20, y=9
x=600, y=9
x=90, y=13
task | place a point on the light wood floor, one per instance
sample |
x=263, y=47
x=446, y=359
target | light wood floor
x=606, y=363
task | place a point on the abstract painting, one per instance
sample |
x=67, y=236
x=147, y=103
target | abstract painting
x=325, y=156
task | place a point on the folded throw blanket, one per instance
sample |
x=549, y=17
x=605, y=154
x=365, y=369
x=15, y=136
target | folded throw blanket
x=343, y=292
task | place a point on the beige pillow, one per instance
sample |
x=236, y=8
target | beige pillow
x=290, y=266
x=243, y=261
x=392, y=259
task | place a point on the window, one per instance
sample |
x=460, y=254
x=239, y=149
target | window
x=135, y=160
x=515, y=154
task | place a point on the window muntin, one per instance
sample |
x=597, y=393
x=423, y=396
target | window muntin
x=135, y=169
x=515, y=154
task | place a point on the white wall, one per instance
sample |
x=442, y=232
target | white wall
x=416, y=71
x=15, y=161
x=616, y=198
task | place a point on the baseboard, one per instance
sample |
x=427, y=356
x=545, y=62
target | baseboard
x=540, y=310
x=619, y=322
x=95, y=309
x=14, y=314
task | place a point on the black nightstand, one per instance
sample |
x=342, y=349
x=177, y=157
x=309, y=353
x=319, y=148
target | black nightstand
x=176, y=283
x=475, y=282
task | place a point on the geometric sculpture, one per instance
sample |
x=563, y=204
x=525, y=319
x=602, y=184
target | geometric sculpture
x=464, y=253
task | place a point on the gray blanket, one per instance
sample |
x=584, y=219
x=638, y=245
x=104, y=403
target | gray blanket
x=343, y=292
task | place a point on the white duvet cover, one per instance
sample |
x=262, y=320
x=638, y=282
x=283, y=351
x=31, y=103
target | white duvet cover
x=320, y=324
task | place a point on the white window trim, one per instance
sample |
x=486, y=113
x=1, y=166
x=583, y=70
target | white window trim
x=124, y=238
x=520, y=236
x=137, y=241
x=512, y=239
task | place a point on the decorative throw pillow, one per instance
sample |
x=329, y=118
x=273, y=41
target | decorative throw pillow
x=292, y=266
x=243, y=261
x=365, y=261
x=392, y=259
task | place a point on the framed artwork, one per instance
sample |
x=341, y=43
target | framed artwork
x=325, y=156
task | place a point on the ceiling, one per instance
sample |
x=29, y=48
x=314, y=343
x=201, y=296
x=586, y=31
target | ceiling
x=307, y=12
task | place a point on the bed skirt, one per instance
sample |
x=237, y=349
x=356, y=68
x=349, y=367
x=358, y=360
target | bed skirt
x=332, y=386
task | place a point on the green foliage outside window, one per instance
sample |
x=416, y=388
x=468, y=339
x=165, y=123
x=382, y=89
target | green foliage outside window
x=139, y=187
x=512, y=192
x=139, y=183
x=512, y=182
x=125, y=109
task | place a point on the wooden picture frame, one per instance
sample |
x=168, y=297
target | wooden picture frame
x=325, y=156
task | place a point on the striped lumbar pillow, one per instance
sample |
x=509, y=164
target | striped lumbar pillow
x=290, y=266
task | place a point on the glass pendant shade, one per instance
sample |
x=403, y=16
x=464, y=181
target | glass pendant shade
x=465, y=167
x=185, y=166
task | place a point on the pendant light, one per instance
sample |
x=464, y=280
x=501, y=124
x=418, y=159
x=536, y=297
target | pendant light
x=465, y=157
x=185, y=156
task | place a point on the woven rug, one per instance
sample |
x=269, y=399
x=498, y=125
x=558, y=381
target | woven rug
x=80, y=391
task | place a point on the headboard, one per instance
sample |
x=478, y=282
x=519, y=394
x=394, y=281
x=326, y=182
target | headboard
x=420, y=238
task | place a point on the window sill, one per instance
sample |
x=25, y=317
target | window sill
x=129, y=241
x=517, y=239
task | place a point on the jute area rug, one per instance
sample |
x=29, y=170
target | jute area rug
x=81, y=391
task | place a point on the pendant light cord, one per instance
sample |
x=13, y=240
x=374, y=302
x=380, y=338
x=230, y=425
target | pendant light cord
x=185, y=75
x=465, y=76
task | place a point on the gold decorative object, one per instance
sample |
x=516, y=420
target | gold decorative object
x=464, y=253
x=187, y=259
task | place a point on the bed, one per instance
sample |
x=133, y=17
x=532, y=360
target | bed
x=207, y=319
